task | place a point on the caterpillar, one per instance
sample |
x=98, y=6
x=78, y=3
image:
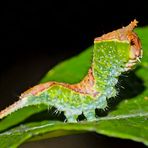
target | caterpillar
x=113, y=53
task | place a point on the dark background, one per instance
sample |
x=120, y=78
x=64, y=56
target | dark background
x=36, y=35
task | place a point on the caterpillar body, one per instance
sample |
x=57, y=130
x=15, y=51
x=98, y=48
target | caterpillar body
x=113, y=53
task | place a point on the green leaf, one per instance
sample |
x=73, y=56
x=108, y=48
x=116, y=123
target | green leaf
x=127, y=117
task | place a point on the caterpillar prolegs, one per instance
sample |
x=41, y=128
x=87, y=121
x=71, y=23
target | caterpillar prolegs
x=113, y=53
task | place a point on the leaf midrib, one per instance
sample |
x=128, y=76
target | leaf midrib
x=118, y=117
x=124, y=116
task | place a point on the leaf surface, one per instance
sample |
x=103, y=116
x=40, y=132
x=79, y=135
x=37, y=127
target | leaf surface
x=127, y=117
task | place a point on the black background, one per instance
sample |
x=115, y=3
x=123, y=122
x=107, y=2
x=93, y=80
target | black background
x=36, y=35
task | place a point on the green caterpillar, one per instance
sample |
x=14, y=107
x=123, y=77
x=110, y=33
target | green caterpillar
x=113, y=53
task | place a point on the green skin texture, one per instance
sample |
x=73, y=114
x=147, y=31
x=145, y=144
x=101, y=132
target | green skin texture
x=109, y=60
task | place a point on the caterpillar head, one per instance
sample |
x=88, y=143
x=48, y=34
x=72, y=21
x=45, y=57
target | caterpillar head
x=135, y=46
x=126, y=34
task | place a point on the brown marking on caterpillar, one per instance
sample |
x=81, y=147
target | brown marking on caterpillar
x=84, y=87
x=120, y=34
x=135, y=46
x=38, y=88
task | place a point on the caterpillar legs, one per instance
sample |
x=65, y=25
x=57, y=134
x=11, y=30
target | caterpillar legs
x=90, y=115
x=71, y=117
